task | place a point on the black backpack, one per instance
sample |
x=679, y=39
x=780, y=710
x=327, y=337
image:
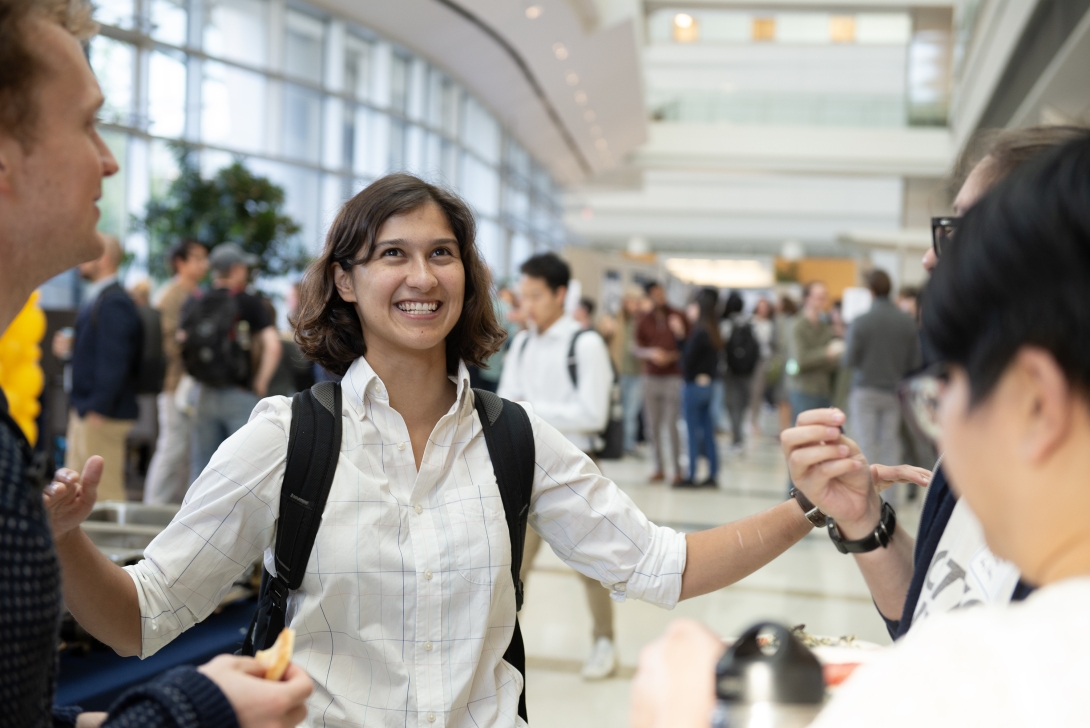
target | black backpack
x=216, y=345
x=314, y=446
x=150, y=367
x=743, y=350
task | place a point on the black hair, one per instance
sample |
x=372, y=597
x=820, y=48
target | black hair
x=650, y=286
x=550, y=268
x=706, y=300
x=180, y=250
x=734, y=305
x=588, y=304
x=879, y=284
x=1019, y=274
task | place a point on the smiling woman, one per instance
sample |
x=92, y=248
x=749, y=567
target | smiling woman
x=391, y=219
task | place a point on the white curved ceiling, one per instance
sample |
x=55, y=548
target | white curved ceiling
x=573, y=98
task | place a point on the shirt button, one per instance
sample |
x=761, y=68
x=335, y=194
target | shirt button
x=400, y=446
x=418, y=508
x=427, y=646
x=427, y=574
x=431, y=717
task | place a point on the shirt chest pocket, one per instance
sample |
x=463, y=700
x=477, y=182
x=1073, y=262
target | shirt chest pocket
x=472, y=534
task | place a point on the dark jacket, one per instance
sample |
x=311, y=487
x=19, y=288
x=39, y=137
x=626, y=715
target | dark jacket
x=105, y=356
x=30, y=603
x=883, y=347
x=699, y=356
x=653, y=331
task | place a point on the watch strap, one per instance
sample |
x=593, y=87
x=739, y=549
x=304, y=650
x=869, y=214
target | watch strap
x=813, y=513
x=880, y=538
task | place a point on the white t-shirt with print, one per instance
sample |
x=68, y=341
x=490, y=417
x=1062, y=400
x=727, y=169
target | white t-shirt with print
x=964, y=572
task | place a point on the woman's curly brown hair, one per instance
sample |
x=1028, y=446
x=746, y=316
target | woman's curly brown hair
x=328, y=329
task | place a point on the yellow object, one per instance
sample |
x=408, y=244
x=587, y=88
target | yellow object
x=21, y=375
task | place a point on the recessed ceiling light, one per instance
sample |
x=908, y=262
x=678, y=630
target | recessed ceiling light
x=589, y=115
x=596, y=130
x=534, y=12
x=683, y=20
x=560, y=51
x=602, y=144
x=572, y=78
x=580, y=97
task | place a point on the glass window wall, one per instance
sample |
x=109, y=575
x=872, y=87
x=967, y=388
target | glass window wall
x=249, y=80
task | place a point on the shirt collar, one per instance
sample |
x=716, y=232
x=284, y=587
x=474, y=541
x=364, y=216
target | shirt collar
x=360, y=382
x=99, y=286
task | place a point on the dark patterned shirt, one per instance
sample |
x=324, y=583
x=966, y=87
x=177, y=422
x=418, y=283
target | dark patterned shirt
x=30, y=606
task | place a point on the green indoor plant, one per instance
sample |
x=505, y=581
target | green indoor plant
x=234, y=205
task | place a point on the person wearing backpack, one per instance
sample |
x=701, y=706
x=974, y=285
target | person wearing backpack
x=221, y=331
x=389, y=510
x=105, y=357
x=168, y=474
x=743, y=354
x=563, y=370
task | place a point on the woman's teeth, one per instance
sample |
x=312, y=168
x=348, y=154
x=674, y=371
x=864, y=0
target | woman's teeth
x=413, y=307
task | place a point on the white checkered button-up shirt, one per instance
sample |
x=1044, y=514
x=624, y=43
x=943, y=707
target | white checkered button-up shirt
x=407, y=606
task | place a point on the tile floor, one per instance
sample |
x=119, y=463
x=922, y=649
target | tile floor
x=811, y=584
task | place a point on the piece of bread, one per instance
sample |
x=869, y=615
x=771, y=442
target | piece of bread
x=276, y=658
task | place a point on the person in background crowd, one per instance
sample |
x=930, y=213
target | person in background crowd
x=842, y=379
x=917, y=448
x=104, y=359
x=537, y=371
x=584, y=312
x=908, y=301
x=742, y=356
x=764, y=330
x=816, y=353
x=633, y=308
x=786, y=311
x=1013, y=416
x=699, y=367
x=168, y=474
x=140, y=292
x=225, y=406
x=52, y=163
x=909, y=579
x=883, y=348
x=658, y=337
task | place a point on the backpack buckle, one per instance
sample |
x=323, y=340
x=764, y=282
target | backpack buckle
x=278, y=594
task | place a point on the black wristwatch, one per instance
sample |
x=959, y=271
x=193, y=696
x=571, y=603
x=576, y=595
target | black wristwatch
x=813, y=513
x=881, y=537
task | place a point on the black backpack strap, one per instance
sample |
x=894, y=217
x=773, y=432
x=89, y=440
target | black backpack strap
x=510, y=439
x=573, y=368
x=314, y=446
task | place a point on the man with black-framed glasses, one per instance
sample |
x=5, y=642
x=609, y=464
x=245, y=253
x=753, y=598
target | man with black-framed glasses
x=948, y=565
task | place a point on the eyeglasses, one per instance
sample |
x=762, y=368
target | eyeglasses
x=942, y=233
x=921, y=396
